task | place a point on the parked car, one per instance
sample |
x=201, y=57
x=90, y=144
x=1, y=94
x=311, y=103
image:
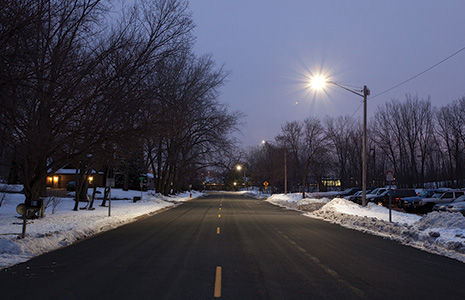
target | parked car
x=357, y=195
x=407, y=202
x=375, y=192
x=427, y=204
x=457, y=206
x=396, y=196
x=354, y=196
x=71, y=186
x=347, y=192
x=443, y=206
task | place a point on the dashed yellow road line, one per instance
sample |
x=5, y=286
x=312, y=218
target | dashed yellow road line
x=219, y=216
x=217, y=230
x=217, y=292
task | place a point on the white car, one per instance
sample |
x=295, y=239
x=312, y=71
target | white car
x=443, y=206
x=457, y=207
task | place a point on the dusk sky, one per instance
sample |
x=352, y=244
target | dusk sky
x=271, y=47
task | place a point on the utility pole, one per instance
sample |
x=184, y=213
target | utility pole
x=366, y=92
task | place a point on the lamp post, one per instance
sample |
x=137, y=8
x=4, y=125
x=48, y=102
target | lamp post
x=239, y=168
x=319, y=83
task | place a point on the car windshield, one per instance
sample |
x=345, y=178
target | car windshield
x=375, y=191
x=381, y=191
x=425, y=194
x=460, y=199
x=437, y=195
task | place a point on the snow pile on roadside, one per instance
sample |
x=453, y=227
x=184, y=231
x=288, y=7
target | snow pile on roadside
x=372, y=210
x=65, y=226
x=437, y=232
x=319, y=195
x=295, y=201
x=253, y=194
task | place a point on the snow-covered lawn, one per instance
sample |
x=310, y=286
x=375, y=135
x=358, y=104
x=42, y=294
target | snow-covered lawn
x=66, y=226
x=437, y=232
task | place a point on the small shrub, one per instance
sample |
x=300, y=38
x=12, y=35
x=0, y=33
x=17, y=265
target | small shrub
x=53, y=202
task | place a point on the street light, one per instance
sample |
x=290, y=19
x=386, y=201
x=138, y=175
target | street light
x=319, y=82
x=239, y=168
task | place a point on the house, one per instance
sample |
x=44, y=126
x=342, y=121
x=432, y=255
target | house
x=61, y=178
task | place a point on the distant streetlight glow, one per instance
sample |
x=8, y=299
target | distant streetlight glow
x=239, y=168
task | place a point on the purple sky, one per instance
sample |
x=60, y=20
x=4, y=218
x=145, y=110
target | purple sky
x=271, y=45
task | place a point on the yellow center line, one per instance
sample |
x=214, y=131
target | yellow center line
x=220, y=208
x=219, y=216
x=217, y=230
x=217, y=293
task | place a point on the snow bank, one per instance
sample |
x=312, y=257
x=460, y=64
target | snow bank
x=295, y=201
x=437, y=232
x=65, y=226
x=253, y=194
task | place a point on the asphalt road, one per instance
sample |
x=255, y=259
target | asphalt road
x=231, y=247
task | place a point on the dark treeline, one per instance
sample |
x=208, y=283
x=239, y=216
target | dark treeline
x=420, y=143
x=107, y=88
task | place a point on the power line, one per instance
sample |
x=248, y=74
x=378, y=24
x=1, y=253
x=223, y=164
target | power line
x=411, y=78
x=419, y=74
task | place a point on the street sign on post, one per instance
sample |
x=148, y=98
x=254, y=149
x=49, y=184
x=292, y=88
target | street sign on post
x=390, y=179
x=265, y=183
x=141, y=184
x=389, y=176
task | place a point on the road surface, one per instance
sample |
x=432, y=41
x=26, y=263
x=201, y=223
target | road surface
x=226, y=246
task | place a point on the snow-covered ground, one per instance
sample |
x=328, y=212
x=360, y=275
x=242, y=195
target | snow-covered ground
x=65, y=226
x=437, y=232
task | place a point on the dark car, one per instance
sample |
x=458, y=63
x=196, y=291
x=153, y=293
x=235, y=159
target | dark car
x=407, y=202
x=396, y=196
x=348, y=192
x=71, y=186
x=357, y=195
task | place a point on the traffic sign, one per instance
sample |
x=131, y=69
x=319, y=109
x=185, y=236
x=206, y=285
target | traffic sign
x=389, y=176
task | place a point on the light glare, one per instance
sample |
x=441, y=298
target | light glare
x=318, y=82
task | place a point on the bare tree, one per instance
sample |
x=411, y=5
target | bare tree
x=450, y=131
x=306, y=141
x=188, y=124
x=404, y=133
x=343, y=132
x=68, y=85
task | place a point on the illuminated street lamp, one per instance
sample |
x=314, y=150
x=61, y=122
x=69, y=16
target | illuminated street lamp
x=239, y=168
x=319, y=82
